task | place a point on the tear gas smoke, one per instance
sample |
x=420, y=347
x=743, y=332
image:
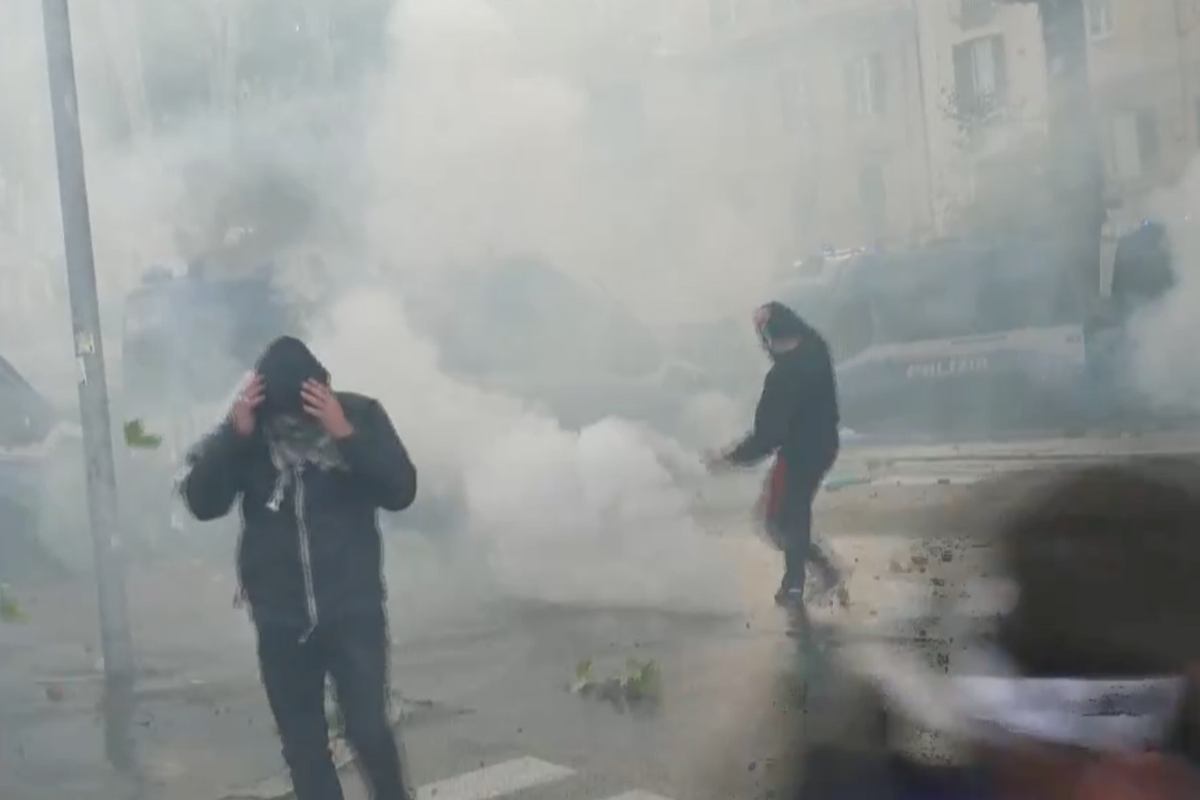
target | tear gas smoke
x=478, y=140
x=1164, y=333
x=599, y=517
x=483, y=145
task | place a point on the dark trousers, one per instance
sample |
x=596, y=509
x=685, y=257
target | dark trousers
x=354, y=653
x=789, y=522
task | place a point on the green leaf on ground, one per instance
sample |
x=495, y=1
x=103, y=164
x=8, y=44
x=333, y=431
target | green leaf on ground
x=138, y=438
x=640, y=685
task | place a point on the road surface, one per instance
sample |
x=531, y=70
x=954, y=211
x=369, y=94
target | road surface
x=482, y=679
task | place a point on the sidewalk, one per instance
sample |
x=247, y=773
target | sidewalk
x=199, y=720
x=197, y=717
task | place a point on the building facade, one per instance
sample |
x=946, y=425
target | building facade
x=882, y=113
x=1144, y=57
x=883, y=121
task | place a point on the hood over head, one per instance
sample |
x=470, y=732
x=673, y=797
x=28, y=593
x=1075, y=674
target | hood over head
x=284, y=367
x=775, y=321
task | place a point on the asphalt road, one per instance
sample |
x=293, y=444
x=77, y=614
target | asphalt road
x=487, y=686
x=483, y=679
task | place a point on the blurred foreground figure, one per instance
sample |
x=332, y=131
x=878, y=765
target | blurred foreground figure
x=797, y=423
x=311, y=467
x=1086, y=690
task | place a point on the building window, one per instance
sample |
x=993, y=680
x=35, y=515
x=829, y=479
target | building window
x=1099, y=18
x=1136, y=144
x=980, y=75
x=872, y=194
x=1149, y=144
x=865, y=86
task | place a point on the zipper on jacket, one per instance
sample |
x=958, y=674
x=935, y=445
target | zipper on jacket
x=310, y=594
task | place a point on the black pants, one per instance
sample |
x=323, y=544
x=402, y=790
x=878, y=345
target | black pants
x=354, y=652
x=791, y=527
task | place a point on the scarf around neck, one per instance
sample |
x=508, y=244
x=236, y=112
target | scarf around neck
x=295, y=443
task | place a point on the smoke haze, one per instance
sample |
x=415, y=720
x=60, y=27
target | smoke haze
x=1165, y=332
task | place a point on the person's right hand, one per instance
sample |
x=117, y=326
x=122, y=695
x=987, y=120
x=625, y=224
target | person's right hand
x=244, y=412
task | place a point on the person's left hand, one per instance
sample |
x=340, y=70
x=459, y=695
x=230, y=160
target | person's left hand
x=322, y=405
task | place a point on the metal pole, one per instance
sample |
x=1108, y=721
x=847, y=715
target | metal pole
x=89, y=352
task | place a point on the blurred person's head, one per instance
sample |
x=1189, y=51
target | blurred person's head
x=284, y=367
x=1106, y=621
x=1105, y=560
x=780, y=330
x=1084, y=692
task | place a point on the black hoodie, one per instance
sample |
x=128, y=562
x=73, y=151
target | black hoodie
x=797, y=415
x=310, y=549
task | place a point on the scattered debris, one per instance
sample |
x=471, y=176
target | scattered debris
x=639, y=687
x=138, y=438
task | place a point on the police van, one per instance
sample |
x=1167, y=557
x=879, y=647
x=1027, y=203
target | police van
x=978, y=338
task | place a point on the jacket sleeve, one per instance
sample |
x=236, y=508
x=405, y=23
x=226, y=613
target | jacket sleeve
x=212, y=476
x=771, y=421
x=376, y=455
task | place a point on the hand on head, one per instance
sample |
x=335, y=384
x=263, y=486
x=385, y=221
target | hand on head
x=245, y=406
x=316, y=398
x=322, y=404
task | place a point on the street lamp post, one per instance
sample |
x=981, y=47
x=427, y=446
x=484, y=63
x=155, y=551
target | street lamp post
x=89, y=351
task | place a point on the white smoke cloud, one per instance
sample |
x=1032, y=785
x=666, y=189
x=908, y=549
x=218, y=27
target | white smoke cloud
x=479, y=141
x=489, y=140
x=599, y=517
x=1165, y=333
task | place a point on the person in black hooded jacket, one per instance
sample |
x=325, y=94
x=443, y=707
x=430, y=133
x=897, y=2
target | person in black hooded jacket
x=311, y=468
x=797, y=423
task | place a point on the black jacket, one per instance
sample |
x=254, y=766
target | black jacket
x=318, y=557
x=797, y=415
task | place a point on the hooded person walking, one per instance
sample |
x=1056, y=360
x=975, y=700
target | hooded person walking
x=796, y=422
x=310, y=468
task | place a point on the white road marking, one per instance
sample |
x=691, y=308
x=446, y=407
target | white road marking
x=638, y=794
x=495, y=781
